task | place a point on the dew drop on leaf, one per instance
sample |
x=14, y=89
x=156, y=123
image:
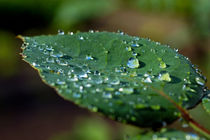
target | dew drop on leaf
x=164, y=77
x=133, y=63
x=200, y=81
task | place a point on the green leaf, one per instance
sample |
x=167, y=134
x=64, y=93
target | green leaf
x=167, y=135
x=117, y=75
x=206, y=102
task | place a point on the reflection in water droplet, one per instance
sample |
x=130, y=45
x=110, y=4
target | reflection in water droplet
x=200, y=81
x=164, y=77
x=133, y=63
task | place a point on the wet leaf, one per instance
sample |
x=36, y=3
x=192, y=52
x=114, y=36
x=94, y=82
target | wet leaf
x=167, y=135
x=117, y=75
x=206, y=102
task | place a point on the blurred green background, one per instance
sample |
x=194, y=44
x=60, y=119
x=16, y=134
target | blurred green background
x=30, y=110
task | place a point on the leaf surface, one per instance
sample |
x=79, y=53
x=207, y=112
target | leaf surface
x=117, y=75
x=167, y=135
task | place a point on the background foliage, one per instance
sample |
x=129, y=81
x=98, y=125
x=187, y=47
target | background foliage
x=29, y=108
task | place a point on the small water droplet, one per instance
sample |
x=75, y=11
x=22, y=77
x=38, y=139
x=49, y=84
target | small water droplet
x=128, y=49
x=77, y=95
x=35, y=64
x=89, y=57
x=135, y=45
x=70, y=33
x=91, y=31
x=188, y=88
x=61, y=32
x=56, y=54
x=133, y=63
x=81, y=38
x=155, y=107
x=113, y=80
x=107, y=95
x=164, y=77
x=162, y=65
x=200, y=81
x=59, y=82
x=126, y=90
x=147, y=80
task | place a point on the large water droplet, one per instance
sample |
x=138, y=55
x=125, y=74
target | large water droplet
x=133, y=63
x=200, y=81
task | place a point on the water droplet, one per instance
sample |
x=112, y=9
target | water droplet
x=49, y=48
x=134, y=45
x=191, y=136
x=70, y=33
x=56, y=54
x=35, y=64
x=155, y=107
x=200, y=81
x=109, y=89
x=107, y=95
x=164, y=77
x=74, y=78
x=133, y=63
x=162, y=65
x=113, y=80
x=61, y=32
x=97, y=79
x=120, y=32
x=126, y=90
x=89, y=57
x=139, y=106
x=188, y=88
x=135, y=54
x=60, y=71
x=147, y=80
x=88, y=85
x=81, y=38
x=91, y=31
x=128, y=49
x=60, y=82
x=77, y=95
